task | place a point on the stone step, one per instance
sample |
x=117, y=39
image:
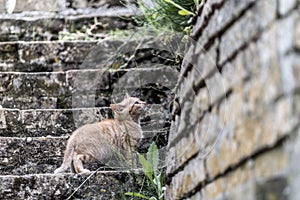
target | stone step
x=58, y=5
x=44, y=122
x=39, y=155
x=48, y=56
x=41, y=26
x=62, y=122
x=30, y=155
x=101, y=185
x=50, y=90
x=115, y=51
x=44, y=55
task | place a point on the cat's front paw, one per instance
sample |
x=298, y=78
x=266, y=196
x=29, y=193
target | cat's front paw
x=59, y=170
x=85, y=171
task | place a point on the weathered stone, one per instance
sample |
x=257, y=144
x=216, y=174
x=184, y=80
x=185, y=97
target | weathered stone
x=79, y=4
x=216, y=88
x=240, y=176
x=294, y=173
x=197, y=196
x=234, y=72
x=288, y=61
x=199, y=139
x=39, y=123
x=43, y=56
x=200, y=105
x=241, y=139
x=48, y=27
x=274, y=187
x=209, y=8
x=272, y=164
x=85, y=55
x=205, y=63
x=222, y=152
x=58, y=122
x=244, y=182
x=287, y=40
x=297, y=34
x=242, y=191
x=77, y=88
x=188, y=179
x=285, y=6
x=243, y=136
x=215, y=190
x=31, y=155
x=36, y=5
x=267, y=129
x=102, y=185
x=222, y=18
x=260, y=16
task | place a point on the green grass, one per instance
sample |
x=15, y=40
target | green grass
x=172, y=15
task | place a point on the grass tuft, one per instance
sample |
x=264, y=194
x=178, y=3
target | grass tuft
x=172, y=15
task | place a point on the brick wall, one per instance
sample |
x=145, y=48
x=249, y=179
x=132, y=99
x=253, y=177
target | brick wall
x=236, y=133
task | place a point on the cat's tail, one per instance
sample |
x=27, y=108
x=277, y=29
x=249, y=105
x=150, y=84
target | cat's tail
x=68, y=157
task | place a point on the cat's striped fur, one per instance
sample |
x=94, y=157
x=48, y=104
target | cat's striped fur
x=103, y=140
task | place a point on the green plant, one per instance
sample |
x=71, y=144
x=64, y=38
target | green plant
x=169, y=14
x=150, y=169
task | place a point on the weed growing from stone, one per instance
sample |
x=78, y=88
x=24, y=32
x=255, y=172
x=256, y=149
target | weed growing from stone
x=153, y=174
x=168, y=14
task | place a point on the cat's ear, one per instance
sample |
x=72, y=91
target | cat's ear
x=126, y=96
x=116, y=107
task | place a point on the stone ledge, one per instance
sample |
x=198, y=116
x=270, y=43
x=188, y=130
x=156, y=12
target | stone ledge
x=31, y=155
x=102, y=185
x=115, y=52
x=39, y=155
x=44, y=122
x=77, y=88
x=44, y=55
x=62, y=122
x=48, y=27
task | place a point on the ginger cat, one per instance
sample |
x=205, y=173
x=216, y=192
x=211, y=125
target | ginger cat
x=101, y=140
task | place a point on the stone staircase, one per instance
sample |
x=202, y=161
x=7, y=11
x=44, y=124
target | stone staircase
x=47, y=90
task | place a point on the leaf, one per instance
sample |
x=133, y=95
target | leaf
x=152, y=156
x=196, y=3
x=147, y=168
x=153, y=198
x=10, y=6
x=134, y=194
x=185, y=12
x=154, y=16
x=160, y=179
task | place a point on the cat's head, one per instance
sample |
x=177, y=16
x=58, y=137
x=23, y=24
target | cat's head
x=130, y=108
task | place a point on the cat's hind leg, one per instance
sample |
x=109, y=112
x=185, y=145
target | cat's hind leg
x=78, y=163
